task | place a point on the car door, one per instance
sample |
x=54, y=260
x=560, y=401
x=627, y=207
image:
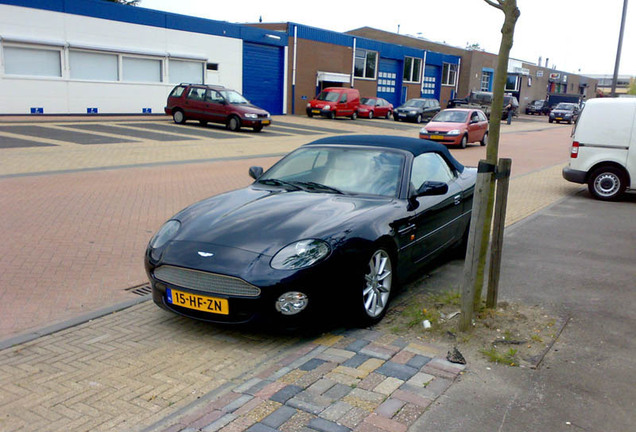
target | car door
x=216, y=106
x=435, y=220
x=194, y=105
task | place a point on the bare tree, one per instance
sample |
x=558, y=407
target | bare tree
x=484, y=217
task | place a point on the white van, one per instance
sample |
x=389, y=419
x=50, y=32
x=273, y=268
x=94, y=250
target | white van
x=603, y=152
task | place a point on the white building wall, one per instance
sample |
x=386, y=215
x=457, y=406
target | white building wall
x=27, y=27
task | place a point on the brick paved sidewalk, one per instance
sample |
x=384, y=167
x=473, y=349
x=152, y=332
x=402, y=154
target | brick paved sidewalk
x=356, y=380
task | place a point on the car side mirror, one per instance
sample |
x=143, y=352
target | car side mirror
x=255, y=172
x=430, y=188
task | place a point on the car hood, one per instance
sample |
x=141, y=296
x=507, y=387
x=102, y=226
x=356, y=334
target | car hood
x=251, y=109
x=263, y=221
x=444, y=126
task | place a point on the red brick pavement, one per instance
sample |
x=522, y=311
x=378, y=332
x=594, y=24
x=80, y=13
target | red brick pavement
x=72, y=243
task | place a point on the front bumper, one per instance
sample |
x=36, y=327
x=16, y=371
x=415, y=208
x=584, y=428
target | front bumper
x=406, y=116
x=441, y=138
x=574, y=176
x=253, y=272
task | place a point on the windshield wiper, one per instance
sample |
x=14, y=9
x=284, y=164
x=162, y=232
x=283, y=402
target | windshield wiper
x=319, y=186
x=278, y=182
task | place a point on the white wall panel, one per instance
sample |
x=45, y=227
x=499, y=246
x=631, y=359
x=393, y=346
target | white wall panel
x=66, y=95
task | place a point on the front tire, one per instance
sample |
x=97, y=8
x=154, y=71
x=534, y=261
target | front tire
x=370, y=115
x=607, y=183
x=376, y=287
x=234, y=124
x=418, y=119
x=354, y=115
x=463, y=142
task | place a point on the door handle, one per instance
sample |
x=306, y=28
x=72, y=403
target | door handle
x=457, y=199
x=406, y=229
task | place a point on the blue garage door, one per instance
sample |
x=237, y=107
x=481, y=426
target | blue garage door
x=263, y=76
x=431, y=87
x=390, y=81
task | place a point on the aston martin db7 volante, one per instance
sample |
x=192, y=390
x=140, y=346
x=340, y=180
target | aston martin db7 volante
x=329, y=230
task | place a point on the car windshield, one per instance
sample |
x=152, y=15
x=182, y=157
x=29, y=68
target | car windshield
x=233, y=97
x=451, y=117
x=339, y=170
x=565, y=106
x=367, y=101
x=537, y=103
x=328, y=96
x=418, y=103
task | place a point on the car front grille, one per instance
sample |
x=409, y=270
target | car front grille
x=207, y=282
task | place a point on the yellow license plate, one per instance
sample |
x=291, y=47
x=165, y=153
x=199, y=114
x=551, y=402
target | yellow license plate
x=315, y=111
x=265, y=122
x=197, y=302
x=438, y=137
x=559, y=118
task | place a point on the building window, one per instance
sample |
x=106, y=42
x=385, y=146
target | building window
x=412, y=69
x=138, y=69
x=32, y=61
x=449, y=74
x=186, y=71
x=512, y=83
x=365, y=64
x=94, y=66
x=486, y=81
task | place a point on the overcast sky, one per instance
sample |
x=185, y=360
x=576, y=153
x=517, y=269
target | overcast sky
x=579, y=36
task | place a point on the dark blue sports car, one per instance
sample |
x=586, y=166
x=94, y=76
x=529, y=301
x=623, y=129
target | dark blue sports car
x=332, y=228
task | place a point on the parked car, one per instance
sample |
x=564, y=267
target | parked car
x=335, y=102
x=482, y=100
x=215, y=104
x=375, y=107
x=417, y=110
x=457, y=126
x=564, y=112
x=332, y=228
x=538, y=107
x=603, y=152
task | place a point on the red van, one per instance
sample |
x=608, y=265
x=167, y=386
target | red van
x=335, y=102
x=215, y=104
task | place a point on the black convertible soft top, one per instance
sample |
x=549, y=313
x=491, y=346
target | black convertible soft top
x=415, y=146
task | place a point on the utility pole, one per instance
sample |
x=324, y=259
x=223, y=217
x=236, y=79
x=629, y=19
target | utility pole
x=618, y=50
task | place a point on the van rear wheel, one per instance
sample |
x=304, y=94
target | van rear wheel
x=607, y=183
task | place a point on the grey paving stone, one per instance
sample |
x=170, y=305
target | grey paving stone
x=336, y=411
x=237, y=403
x=220, y=423
x=259, y=427
x=356, y=360
x=321, y=386
x=323, y=425
x=247, y=385
x=286, y=393
x=311, y=364
x=418, y=361
x=338, y=391
x=396, y=370
x=400, y=343
x=308, y=406
x=257, y=387
x=357, y=345
x=278, y=417
x=389, y=407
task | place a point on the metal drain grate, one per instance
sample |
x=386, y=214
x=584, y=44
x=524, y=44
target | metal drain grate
x=140, y=290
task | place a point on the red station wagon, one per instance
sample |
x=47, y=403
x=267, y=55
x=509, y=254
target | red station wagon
x=215, y=104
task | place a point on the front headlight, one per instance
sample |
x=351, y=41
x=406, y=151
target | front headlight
x=303, y=253
x=326, y=108
x=251, y=116
x=412, y=112
x=163, y=236
x=454, y=132
x=423, y=131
